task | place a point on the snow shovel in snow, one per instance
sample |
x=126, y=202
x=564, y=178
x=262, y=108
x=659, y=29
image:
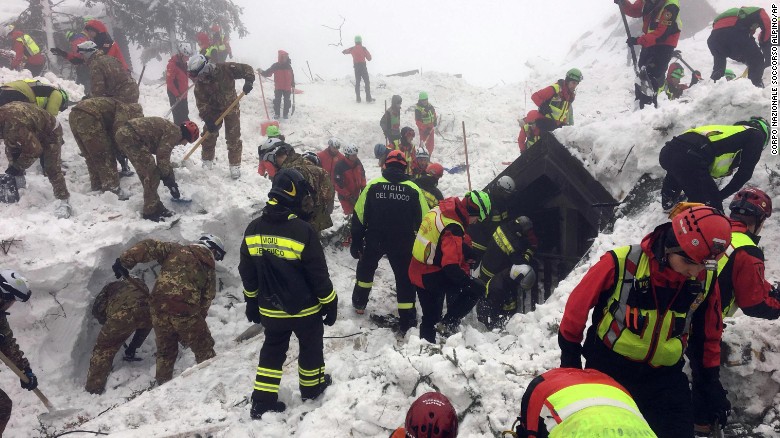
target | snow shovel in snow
x=53, y=412
x=217, y=123
x=9, y=193
x=643, y=90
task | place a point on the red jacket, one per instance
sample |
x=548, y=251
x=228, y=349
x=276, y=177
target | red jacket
x=548, y=93
x=284, y=79
x=22, y=55
x=528, y=123
x=451, y=245
x=176, y=75
x=116, y=53
x=349, y=179
x=598, y=283
x=359, y=53
x=658, y=24
x=75, y=40
x=328, y=162
x=743, y=276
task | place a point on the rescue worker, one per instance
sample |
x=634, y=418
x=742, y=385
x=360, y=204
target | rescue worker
x=732, y=37
x=122, y=308
x=27, y=54
x=13, y=288
x=107, y=76
x=75, y=58
x=267, y=168
x=220, y=45
x=729, y=75
x=360, y=55
x=531, y=128
x=387, y=215
x=426, y=120
x=661, y=26
x=420, y=164
x=501, y=193
x=693, y=158
x=30, y=133
x=431, y=415
x=52, y=99
x=349, y=178
x=288, y=290
x=284, y=82
x=178, y=83
x=391, y=120
x=672, y=86
x=330, y=156
x=570, y=402
x=507, y=263
x=429, y=184
x=93, y=123
x=651, y=302
x=439, y=266
x=215, y=90
x=555, y=101
x=204, y=44
x=98, y=33
x=405, y=144
x=181, y=296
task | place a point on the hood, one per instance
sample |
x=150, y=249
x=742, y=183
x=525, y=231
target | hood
x=203, y=254
x=16, y=34
x=96, y=25
x=454, y=208
x=653, y=246
x=395, y=175
x=283, y=56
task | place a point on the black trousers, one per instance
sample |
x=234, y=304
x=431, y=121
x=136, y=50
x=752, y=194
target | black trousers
x=655, y=60
x=278, y=94
x=740, y=46
x=311, y=362
x=437, y=286
x=180, y=112
x=361, y=72
x=405, y=291
x=687, y=170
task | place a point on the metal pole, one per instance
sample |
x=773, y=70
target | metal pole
x=466, y=150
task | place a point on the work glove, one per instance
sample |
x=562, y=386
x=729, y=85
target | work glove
x=119, y=270
x=32, y=381
x=330, y=311
x=632, y=41
x=695, y=77
x=571, y=353
x=58, y=52
x=356, y=249
x=14, y=171
x=130, y=355
x=210, y=127
x=252, y=310
x=169, y=181
x=247, y=87
x=719, y=405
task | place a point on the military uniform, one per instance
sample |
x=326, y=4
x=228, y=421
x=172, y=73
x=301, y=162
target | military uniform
x=11, y=349
x=123, y=308
x=213, y=95
x=180, y=299
x=321, y=206
x=36, y=92
x=30, y=132
x=110, y=79
x=142, y=140
x=93, y=122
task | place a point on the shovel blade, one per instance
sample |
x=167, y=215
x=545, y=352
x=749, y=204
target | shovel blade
x=9, y=193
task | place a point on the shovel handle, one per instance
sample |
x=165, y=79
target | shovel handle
x=24, y=379
x=217, y=122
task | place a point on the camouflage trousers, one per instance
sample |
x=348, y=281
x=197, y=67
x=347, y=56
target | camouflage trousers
x=97, y=147
x=232, y=124
x=23, y=151
x=5, y=410
x=115, y=331
x=145, y=166
x=170, y=330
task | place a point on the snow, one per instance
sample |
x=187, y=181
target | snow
x=375, y=376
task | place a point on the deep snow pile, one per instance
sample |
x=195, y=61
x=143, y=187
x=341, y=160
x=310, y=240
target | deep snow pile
x=375, y=376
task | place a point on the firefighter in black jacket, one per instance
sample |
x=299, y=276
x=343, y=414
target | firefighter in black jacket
x=288, y=290
x=501, y=193
x=387, y=215
x=506, y=264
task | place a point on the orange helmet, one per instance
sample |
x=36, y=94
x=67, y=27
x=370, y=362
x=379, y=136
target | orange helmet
x=396, y=158
x=703, y=234
x=189, y=131
x=435, y=169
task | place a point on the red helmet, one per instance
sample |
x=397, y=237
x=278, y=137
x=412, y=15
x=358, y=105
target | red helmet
x=189, y=131
x=96, y=26
x=431, y=416
x=396, y=158
x=702, y=233
x=216, y=28
x=203, y=39
x=752, y=202
x=435, y=169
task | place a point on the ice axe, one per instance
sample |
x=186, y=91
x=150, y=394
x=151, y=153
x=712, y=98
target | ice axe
x=217, y=122
x=52, y=410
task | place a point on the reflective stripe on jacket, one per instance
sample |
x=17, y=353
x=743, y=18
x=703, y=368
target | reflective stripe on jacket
x=737, y=240
x=721, y=165
x=426, y=244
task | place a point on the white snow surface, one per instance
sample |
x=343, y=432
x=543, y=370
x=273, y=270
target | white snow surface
x=375, y=375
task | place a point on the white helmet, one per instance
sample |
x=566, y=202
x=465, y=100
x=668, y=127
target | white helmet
x=197, y=66
x=422, y=153
x=335, y=142
x=350, y=149
x=270, y=143
x=506, y=183
x=184, y=49
x=87, y=48
x=7, y=29
x=213, y=243
x=13, y=287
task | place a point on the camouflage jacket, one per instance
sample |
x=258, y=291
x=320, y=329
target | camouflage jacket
x=8, y=344
x=186, y=284
x=110, y=79
x=121, y=300
x=159, y=136
x=28, y=127
x=214, y=94
x=111, y=112
x=322, y=203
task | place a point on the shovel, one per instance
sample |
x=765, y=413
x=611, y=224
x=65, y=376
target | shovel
x=9, y=193
x=217, y=122
x=267, y=122
x=53, y=412
x=642, y=89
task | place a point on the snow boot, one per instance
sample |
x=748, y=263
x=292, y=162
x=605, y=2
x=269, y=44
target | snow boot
x=319, y=389
x=235, y=171
x=62, y=209
x=260, y=408
x=447, y=327
x=208, y=164
x=159, y=216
